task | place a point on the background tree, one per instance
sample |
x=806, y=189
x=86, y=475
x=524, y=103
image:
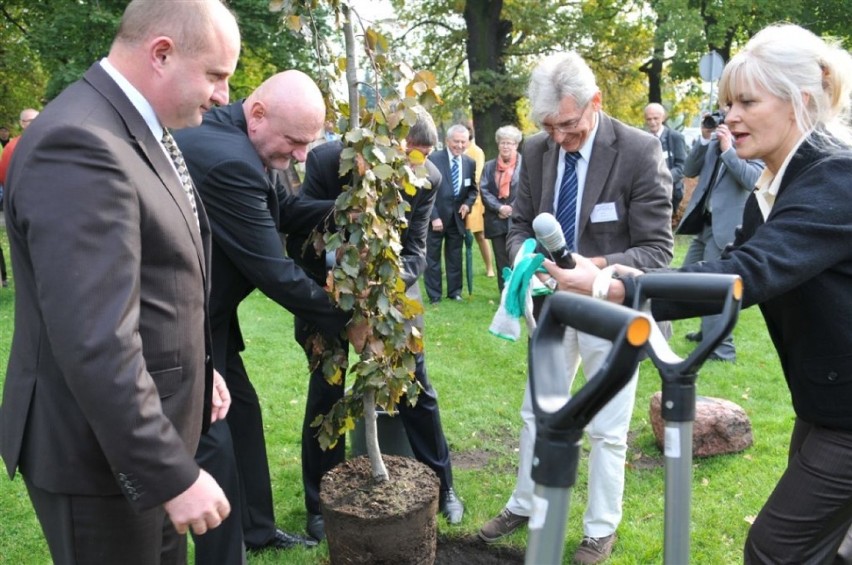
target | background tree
x=22, y=79
x=48, y=45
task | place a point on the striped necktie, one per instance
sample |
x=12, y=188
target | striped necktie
x=183, y=173
x=566, y=210
x=454, y=172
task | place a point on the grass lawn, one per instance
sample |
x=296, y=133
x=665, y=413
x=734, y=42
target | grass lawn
x=481, y=380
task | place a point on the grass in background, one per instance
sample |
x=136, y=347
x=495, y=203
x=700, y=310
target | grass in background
x=480, y=380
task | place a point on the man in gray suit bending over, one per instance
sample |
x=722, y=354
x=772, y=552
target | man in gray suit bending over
x=610, y=189
x=715, y=209
x=110, y=379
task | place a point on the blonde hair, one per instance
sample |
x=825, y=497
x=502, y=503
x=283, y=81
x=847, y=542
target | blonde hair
x=508, y=132
x=793, y=64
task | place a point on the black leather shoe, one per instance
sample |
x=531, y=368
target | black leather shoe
x=284, y=540
x=694, y=336
x=450, y=506
x=434, y=300
x=316, y=526
x=455, y=297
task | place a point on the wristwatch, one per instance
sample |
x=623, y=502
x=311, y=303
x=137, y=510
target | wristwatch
x=551, y=283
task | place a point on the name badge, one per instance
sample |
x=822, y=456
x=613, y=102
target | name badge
x=604, y=212
x=467, y=182
x=665, y=154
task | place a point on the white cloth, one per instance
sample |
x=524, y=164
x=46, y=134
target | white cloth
x=607, y=434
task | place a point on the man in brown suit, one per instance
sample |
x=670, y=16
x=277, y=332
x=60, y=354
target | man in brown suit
x=109, y=380
x=610, y=189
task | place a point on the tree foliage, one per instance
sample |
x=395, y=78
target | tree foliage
x=370, y=215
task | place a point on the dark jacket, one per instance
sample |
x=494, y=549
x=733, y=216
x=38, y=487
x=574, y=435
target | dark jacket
x=494, y=224
x=246, y=214
x=797, y=265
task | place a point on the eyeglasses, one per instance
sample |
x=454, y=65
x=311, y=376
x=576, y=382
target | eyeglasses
x=565, y=127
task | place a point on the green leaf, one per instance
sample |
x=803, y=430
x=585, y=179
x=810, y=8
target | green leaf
x=383, y=172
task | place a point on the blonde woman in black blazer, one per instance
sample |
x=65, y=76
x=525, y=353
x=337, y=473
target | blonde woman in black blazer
x=787, y=94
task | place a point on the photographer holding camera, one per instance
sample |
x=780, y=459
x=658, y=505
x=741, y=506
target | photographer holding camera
x=715, y=209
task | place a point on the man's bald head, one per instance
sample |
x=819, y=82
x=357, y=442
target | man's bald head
x=284, y=115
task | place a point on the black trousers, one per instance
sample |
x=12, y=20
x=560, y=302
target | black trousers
x=808, y=515
x=422, y=424
x=451, y=242
x=234, y=453
x=104, y=530
x=3, y=276
x=215, y=455
x=501, y=255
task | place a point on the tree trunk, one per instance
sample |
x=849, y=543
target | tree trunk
x=351, y=69
x=371, y=437
x=493, y=97
x=653, y=67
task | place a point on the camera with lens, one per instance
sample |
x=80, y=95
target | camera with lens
x=713, y=120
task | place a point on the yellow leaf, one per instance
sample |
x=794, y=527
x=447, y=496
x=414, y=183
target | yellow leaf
x=409, y=188
x=294, y=23
x=372, y=38
x=416, y=157
x=426, y=77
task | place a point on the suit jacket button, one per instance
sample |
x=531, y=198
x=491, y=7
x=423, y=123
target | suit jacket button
x=832, y=376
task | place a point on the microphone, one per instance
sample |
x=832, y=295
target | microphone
x=548, y=232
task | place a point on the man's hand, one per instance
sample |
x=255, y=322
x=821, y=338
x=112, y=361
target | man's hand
x=726, y=140
x=201, y=507
x=463, y=210
x=221, y=398
x=504, y=212
x=579, y=279
x=437, y=225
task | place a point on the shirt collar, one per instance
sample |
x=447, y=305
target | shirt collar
x=768, y=184
x=139, y=102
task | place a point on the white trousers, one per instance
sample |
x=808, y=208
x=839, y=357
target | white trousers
x=607, y=435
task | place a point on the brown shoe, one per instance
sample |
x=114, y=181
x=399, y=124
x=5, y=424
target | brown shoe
x=504, y=524
x=594, y=550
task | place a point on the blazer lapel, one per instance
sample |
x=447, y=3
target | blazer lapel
x=597, y=173
x=550, y=162
x=153, y=151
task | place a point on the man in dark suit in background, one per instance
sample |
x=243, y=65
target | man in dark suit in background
x=230, y=157
x=715, y=209
x=674, y=148
x=109, y=381
x=423, y=420
x=610, y=189
x=456, y=194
